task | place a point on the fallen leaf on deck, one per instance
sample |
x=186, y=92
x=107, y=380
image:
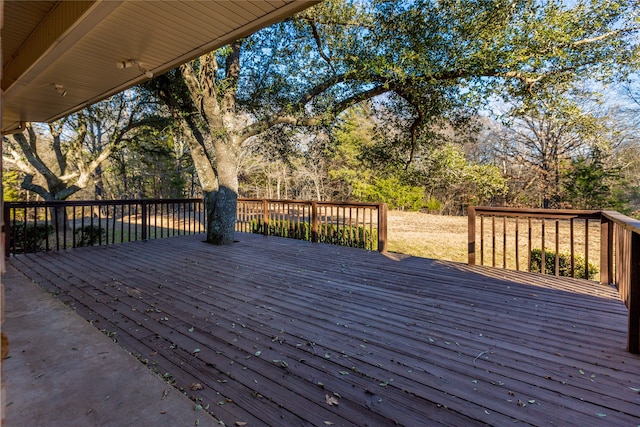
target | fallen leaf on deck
x=196, y=386
x=241, y=423
x=331, y=401
x=165, y=393
x=328, y=423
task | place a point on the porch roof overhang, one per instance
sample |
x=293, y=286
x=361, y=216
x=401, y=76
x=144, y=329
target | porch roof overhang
x=61, y=56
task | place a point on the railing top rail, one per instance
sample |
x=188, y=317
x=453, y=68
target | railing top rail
x=539, y=213
x=624, y=221
x=50, y=203
x=309, y=202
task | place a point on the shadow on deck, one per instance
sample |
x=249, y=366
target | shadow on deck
x=279, y=332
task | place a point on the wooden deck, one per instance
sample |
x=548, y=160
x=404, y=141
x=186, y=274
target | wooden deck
x=287, y=333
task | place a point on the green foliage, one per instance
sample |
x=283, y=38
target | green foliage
x=433, y=205
x=589, y=184
x=11, y=186
x=89, y=235
x=391, y=191
x=356, y=237
x=29, y=236
x=564, y=261
x=152, y=165
x=456, y=182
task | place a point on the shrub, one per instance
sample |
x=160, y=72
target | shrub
x=29, y=237
x=357, y=237
x=89, y=235
x=564, y=262
x=433, y=205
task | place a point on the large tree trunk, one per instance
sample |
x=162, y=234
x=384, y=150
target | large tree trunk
x=59, y=219
x=221, y=204
x=219, y=183
x=221, y=215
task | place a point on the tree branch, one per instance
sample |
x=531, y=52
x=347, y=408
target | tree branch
x=27, y=184
x=606, y=35
x=316, y=37
x=29, y=151
x=192, y=85
x=276, y=119
x=232, y=76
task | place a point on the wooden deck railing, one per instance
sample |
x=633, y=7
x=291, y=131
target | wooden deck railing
x=55, y=225
x=520, y=239
x=44, y=226
x=362, y=225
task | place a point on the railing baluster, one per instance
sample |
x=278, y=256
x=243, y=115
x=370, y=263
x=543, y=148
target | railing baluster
x=543, y=262
x=586, y=248
x=107, y=210
x=64, y=227
x=482, y=240
x=504, y=242
x=517, y=239
x=493, y=241
x=73, y=231
x=606, y=250
x=557, y=260
x=46, y=228
x=529, y=241
x=572, y=245
x=471, y=235
x=143, y=209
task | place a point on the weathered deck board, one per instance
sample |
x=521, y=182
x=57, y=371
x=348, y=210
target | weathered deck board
x=281, y=324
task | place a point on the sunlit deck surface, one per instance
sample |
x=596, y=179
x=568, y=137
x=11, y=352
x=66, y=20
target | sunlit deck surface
x=287, y=333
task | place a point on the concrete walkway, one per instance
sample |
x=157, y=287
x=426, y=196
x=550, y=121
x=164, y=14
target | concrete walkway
x=64, y=372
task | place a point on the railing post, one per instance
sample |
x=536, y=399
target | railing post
x=265, y=217
x=382, y=227
x=143, y=204
x=6, y=221
x=634, y=296
x=471, y=233
x=314, y=222
x=606, y=250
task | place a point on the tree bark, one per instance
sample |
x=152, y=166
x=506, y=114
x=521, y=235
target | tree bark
x=221, y=203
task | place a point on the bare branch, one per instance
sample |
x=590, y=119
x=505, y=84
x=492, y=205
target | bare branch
x=28, y=148
x=316, y=37
x=606, y=35
x=27, y=184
